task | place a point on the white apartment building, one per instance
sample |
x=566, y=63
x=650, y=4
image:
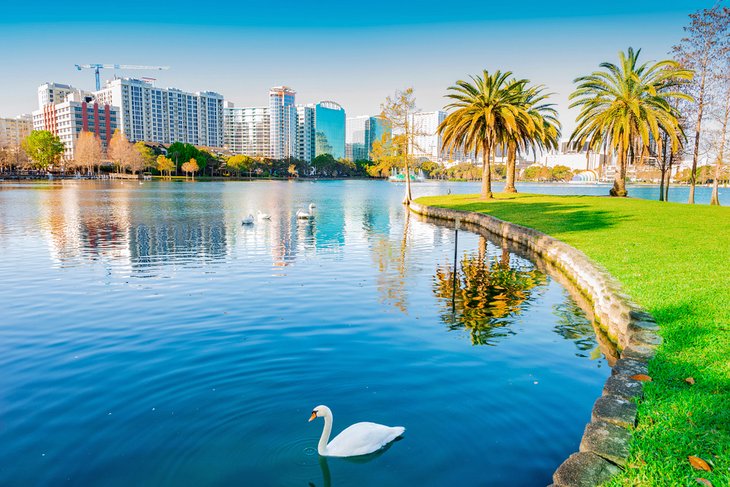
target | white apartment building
x=14, y=130
x=428, y=143
x=77, y=112
x=165, y=115
x=246, y=130
x=305, y=133
x=283, y=113
x=50, y=93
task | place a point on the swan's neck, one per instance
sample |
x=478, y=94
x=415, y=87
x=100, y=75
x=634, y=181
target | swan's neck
x=326, y=431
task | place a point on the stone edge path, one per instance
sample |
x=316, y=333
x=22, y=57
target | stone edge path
x=604, y=449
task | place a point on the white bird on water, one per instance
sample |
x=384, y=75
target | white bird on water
x=357, y=439
x=247, y=220
x=303, y=215
x=263, y=216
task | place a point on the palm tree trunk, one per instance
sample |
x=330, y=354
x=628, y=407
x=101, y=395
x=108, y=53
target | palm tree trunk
x=487, y=172
x=511, y=163
x=619, y=182
x=669, y=175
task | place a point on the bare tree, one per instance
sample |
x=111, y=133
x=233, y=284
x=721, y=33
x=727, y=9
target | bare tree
x=119, y=149
x=398, y=110
x=88, y=151
x=705, y=46
x=723, y=116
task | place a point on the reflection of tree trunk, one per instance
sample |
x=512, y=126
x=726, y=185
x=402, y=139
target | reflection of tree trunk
x=505, y=253
x=482, y=248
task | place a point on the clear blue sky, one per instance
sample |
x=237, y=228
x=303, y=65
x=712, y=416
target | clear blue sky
x=354, y=53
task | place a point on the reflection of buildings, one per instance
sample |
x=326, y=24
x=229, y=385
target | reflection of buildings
x=128, y=232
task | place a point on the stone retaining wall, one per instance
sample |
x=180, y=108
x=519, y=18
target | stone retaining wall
x=604, y=449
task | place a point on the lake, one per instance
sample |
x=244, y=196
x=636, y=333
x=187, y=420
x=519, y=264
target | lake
x=148, y=338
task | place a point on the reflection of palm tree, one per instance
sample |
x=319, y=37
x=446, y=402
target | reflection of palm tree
x=484, y=295
x=573, y=325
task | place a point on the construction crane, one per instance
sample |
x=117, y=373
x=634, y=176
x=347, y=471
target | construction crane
x=97, y=67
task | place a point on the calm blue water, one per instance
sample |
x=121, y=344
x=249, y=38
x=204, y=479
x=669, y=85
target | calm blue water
x=677, y=194
x=147, y=338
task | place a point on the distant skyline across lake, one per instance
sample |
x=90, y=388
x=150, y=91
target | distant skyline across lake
x=328, y=51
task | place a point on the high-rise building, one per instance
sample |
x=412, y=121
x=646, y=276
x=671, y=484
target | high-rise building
x=165, y=115
x=53, y=93
x=283, y=113
x=362, y=131
x=428, y=143
x=329, y=128
x=355, y=147
x=305, y=133
x=375, y=129
x=77, y=112
x=14, y=130
x=247, y=130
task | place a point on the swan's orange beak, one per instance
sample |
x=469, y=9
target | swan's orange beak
x=314, y=415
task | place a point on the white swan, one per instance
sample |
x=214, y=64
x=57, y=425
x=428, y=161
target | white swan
x=303, y=215
x=263, y=216
x=357, y=439
x=248, y=220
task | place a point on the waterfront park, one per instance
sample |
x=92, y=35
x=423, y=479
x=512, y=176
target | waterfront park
x=175, y=313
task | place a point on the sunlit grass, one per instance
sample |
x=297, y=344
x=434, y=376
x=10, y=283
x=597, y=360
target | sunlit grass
x=674, y=260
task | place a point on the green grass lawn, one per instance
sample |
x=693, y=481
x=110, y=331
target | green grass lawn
x=674, y=260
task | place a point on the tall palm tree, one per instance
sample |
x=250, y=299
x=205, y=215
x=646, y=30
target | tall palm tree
x=626, y=105
x=485, y=111
x=544, y=133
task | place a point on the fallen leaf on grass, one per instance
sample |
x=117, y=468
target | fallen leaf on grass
x=641, y=377
x=702, y=481
x=689, y=380
x=699, y=463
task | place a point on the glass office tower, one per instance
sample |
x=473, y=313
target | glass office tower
x=329, y=126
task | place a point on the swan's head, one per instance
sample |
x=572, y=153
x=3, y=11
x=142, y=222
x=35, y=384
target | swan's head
x=312, y=205
x=319, y=412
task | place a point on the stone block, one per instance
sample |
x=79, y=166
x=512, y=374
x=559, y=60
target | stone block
x=637, y=351
x=645, y=338
x=607, y=440
x=615, y=410
x=584, y=469
x=641, y=325
x=622, y=386
x=629, y=366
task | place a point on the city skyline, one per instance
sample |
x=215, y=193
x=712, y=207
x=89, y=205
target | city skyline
x=355, y=64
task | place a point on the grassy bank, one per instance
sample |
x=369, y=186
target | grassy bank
x=674, y=260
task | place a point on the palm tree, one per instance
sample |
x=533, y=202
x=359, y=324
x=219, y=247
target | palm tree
x=626, y=105
x=544, y=133
x=486, y=111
